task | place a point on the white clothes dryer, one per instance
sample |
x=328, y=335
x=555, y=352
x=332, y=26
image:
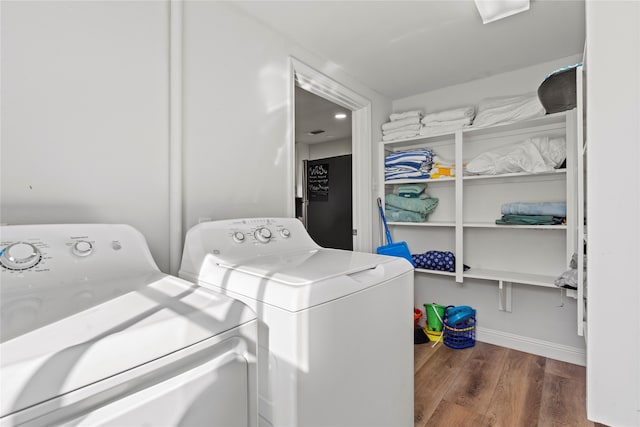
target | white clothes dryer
x=336, y=328
x=93, y=334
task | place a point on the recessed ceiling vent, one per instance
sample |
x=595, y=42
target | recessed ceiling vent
x=316, y=132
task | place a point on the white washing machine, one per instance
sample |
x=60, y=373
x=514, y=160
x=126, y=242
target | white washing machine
x=336, y=328
x=94, y=334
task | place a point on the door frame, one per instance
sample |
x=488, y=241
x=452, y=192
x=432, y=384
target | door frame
x=319, y=84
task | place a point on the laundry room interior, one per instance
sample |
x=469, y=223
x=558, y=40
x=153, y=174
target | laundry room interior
x=260, y=150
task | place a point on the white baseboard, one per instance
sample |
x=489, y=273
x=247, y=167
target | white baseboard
x=548, y=349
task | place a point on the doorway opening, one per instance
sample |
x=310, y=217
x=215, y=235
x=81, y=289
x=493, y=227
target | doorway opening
x=307, y=79
x=323, y=155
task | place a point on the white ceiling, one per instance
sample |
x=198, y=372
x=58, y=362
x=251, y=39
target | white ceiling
x=404, y=48
x=313, y=113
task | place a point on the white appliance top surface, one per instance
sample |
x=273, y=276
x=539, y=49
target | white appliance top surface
x=286, y=268
x=307, y=266
x=72, y=321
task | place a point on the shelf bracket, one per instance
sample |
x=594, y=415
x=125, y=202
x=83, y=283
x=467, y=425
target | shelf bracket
x=504, y=296
x=571, y=293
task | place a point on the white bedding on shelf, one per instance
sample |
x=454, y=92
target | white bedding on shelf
x=493, y=111
x=534, y=155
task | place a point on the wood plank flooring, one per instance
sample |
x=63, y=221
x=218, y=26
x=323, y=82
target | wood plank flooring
x=487, y=385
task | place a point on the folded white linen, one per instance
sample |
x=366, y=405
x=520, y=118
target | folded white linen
x=440, y=130
x=442, y=162
x=399, y=123
x=508, y=109
x=458, y=122
x=399, y=116
x=400, y=135
x=415, y=127
x=448, y=115
x=444, y=127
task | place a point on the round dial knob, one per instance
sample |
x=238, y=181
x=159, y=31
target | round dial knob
x=82, y=248
x=238, y=237
x=263, y=235
x=285, y=233
x=20, y=256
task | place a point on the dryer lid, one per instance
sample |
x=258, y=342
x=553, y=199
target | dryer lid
x=146, y=321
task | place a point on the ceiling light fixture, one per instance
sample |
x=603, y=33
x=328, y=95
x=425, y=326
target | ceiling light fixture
x=340, y=116
x=492, y=10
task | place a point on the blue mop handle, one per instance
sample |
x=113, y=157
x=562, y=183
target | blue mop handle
x=384, y=221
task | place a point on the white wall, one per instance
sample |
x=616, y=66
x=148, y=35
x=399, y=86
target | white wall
x=340, y=147
x=237, y=106
x=84, y=115
x=525, y=80
x=540, y=320
x=236, y=91
x=613, y=209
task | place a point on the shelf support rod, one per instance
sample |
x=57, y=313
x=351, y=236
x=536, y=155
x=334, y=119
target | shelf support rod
x=504, y=296
x=459, y=231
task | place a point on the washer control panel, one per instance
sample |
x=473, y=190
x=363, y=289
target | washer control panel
x=48, y=272
x=29, y=249
x=38, y=253
x=259, y=233
x=236, y=240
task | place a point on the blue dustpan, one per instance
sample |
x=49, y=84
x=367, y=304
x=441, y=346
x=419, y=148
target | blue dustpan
x=398, y=249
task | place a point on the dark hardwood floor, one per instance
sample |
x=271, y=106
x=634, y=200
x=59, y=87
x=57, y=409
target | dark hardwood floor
x=487, y=385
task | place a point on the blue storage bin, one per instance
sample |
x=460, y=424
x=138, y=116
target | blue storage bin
x=461, y=335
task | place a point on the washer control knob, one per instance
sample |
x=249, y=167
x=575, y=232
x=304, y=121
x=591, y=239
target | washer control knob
x=82, y=248
x=20, y=256
x=238, y=237
x=285, y=233
x=263, y=234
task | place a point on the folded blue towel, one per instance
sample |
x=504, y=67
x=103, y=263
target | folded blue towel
x=421, y=206
x=399, y=215
x=405, y=172
x=411, y=190
x=407, y=175
x=415, y=165
x=557, y=209
x=418, y=155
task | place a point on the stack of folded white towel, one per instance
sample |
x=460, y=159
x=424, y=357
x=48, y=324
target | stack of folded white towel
x=447, y=121
x=402, y=125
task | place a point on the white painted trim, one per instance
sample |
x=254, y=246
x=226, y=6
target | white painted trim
x=362, y=187
x=580, y=190
x=572, y=183
x=319, y=84
x=291, y=161
x=315, y=82
x=548, y=349
x=175, y=135
x=459, y=232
